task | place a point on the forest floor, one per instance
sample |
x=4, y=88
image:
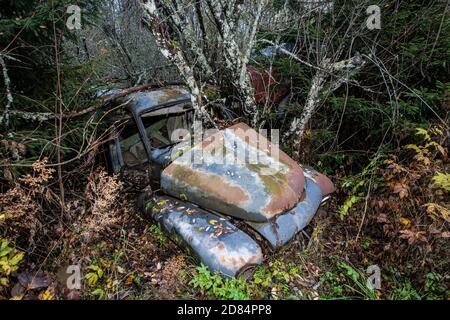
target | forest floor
x=386, y=218
x=137, y=261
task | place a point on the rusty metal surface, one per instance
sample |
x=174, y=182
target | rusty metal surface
x=250, y=190
x=326, y=186
x=266, y=86
x=214, y=240
x=284, y=227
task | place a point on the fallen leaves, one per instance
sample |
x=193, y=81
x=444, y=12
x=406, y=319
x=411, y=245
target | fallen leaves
x=32, y=281
x=404, y=221
x=437, y=211
x=413, y=236
x=93, y=276
x=29, y=283
x=172, y=277
x=46, y=295
x=401, y=189
x=129, y=280
x=120, y=270
x=382, y=218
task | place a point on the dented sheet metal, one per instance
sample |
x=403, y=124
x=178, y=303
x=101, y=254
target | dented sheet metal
x=283, y=228
x=219, y=244
x=237, y=172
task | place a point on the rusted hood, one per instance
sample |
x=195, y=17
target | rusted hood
x=237, y=172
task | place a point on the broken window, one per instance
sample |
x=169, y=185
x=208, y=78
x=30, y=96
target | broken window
x=160, y=126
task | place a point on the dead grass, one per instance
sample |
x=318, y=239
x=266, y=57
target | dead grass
x=102, y=193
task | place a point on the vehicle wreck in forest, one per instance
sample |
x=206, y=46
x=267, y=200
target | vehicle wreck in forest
x=225, y=213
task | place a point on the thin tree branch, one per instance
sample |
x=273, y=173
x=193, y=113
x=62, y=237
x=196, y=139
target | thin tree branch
x=9, y=96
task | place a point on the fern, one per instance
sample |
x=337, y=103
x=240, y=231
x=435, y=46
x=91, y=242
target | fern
x=442, y=181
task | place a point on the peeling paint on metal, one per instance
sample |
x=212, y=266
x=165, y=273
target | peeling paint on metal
x=237, y=175
x=214, y=240
x=283, y=228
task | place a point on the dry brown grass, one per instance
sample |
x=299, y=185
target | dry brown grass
x=102, y=193
x=20, y=205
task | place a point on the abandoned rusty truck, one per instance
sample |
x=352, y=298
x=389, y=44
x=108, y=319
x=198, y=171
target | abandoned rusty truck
x=226, y=210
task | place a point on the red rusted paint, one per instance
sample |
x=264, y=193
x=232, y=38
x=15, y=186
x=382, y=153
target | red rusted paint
x=266, y=87
x=170, y=94
x=283, y=189
x=214, y=185
x=326, y=186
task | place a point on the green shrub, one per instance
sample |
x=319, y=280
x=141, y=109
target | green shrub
x=217, y=287
x=10, y=259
